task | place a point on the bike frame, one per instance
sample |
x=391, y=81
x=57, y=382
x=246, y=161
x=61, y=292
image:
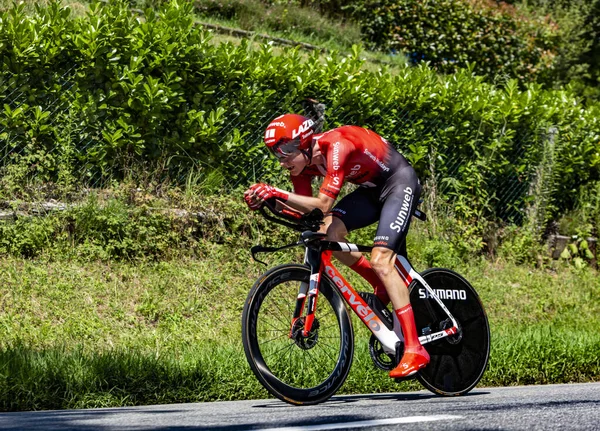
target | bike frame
x=318, y=258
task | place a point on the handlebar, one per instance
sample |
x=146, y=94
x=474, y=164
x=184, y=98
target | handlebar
x=306, y=221
x=293, y=219
x=301, y=222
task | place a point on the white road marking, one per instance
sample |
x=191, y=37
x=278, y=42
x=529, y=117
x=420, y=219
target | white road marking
x=363, y=424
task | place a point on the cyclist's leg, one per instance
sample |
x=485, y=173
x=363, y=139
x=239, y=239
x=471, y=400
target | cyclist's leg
x=356, y=210
x=336, y=231
x=400, y=195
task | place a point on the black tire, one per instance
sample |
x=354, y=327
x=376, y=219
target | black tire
x=303, y=370
x=459, y=361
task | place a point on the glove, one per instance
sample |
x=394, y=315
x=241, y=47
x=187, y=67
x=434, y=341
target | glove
x=252, y=203
x=265, y=192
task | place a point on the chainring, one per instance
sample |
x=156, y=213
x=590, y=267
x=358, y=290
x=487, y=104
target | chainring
x=382, y=360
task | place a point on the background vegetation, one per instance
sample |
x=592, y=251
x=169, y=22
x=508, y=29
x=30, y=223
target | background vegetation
x=141, y=126
x=95, y=323
x=157, y=93
x=554, y=43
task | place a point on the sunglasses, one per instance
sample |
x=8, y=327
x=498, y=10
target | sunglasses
x=285, y=148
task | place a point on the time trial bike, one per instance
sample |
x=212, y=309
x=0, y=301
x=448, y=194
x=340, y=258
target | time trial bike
x=298, y=337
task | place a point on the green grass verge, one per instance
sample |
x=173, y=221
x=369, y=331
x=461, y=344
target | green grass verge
x=95, y=312
x=58, y=378
x=97, y=334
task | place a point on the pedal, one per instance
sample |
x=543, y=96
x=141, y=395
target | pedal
x=399, y=354
x=380, y=310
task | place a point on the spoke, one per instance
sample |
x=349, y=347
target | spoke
x=279, y=311
x=316, y=362
x=329, y=337
x=333, y=325
x=285, y=331
x=288, y=346
x=326, y=351
x=283, y=312
x=279, y=315
x=275, y=319
x=303, y=369
x=273, y=339
x=270, y=325
x=301, y=364
x=333, y=346
x=328, y=313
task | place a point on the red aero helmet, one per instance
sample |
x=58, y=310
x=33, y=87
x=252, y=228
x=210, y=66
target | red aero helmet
x=289, y=132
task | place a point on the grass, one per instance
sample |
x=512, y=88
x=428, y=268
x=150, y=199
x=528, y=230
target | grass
x=77, y=332
x=103, y=317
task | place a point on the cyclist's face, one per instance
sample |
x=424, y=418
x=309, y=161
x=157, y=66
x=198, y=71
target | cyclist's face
x=295, y=162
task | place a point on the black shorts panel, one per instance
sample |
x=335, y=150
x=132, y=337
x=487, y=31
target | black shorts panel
x=358, y=209
x=392, y=204
x=396, y=216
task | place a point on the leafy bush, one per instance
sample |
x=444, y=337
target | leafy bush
x=578, y=51
x=157, y=94
x=584, y=219
x=497, y=39
x=283, y=18
x=132, y=224
x=522, y=246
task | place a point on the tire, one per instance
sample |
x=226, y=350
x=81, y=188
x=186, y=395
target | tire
x=301, y=370
x=459, y=361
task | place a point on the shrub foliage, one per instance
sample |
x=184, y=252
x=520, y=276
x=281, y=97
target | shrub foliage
x=449, y=34
x=155, y=91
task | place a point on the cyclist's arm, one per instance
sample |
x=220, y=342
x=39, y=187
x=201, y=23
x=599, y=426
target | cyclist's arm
x=331, y=186
x=308, y=203
x=302, y=184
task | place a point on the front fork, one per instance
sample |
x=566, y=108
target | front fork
x=308, y=292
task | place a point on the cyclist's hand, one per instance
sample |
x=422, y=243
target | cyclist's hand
x=253, y=203
x=264, y=192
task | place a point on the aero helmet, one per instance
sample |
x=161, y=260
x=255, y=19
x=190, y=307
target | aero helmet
x=289, y=132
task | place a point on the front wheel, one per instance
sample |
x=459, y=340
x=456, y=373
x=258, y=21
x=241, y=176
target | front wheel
x=294, y=368
x=458, y=361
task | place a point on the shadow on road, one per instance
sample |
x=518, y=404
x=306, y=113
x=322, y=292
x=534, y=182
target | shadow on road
x=345, y=399
x=146, y=420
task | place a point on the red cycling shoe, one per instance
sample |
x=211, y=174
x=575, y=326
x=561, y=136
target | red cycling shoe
x=411, y=362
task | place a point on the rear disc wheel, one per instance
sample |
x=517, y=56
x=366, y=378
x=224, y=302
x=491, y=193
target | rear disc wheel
x=458, y=361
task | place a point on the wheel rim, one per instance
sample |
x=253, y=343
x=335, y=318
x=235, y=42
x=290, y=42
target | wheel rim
x=457, y=363
x=298, y=362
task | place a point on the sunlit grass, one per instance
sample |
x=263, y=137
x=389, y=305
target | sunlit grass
x=77, y=334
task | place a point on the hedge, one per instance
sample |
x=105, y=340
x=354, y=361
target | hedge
x=495, y=37
x=155, y=91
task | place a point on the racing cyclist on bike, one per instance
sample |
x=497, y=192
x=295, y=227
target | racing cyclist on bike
x=389, y=192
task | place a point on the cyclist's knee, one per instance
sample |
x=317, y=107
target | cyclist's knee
x=335, y=229
x=382, y=261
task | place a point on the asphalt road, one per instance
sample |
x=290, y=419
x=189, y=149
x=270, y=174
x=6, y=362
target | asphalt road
x=551, y=407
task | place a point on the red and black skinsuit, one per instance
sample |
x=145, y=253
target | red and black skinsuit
x=388, y=189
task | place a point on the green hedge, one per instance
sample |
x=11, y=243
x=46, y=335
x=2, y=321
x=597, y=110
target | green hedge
x=129, y=224
x=158, y=93
x=497, y=38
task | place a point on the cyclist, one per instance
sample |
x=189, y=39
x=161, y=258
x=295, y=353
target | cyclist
x=389, y=192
